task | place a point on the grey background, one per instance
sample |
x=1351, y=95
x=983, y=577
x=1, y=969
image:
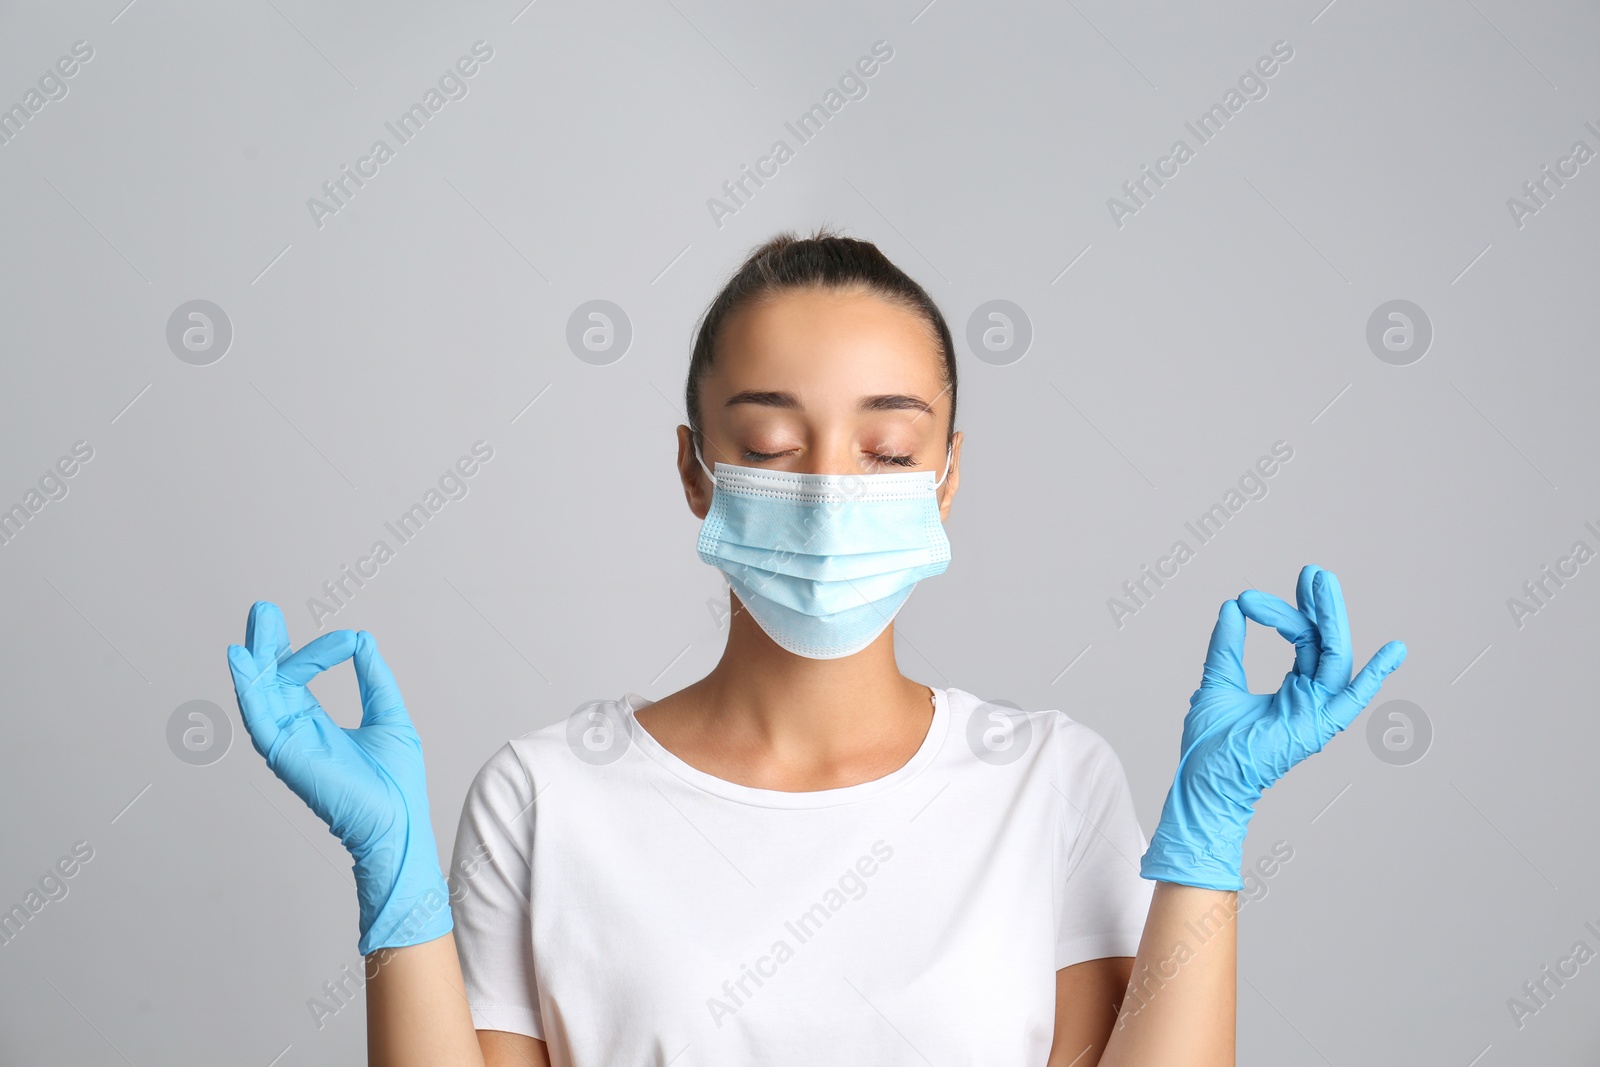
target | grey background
x=368, y=354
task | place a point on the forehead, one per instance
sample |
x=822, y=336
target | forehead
x=827, y=340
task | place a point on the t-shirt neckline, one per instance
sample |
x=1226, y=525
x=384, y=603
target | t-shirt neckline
x=778, y=798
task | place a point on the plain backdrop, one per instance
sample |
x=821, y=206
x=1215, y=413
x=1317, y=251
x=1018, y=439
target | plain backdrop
x=1171, y=343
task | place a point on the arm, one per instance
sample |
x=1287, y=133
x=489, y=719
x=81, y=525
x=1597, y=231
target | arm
x=417, y=1014
x=1179, y=1004
x=502, y=1049
x=1087, y=997
x=1172, y=1003
x=368, y=785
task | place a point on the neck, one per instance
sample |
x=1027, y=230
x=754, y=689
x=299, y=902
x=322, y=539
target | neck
x=810, y=704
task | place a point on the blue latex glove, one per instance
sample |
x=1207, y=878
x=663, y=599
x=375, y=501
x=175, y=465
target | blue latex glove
x=1237, y=743
x=367, y=784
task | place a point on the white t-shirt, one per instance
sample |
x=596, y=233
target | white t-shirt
x=630, y=909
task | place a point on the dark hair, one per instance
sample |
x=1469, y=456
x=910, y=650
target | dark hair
x=823, y=260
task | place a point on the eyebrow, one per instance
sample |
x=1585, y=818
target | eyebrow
x=881, y=402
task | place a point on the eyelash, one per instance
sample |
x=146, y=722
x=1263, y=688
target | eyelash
x=899, y=461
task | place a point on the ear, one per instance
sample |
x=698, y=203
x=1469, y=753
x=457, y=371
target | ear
x=696, y=486
x=947, y=491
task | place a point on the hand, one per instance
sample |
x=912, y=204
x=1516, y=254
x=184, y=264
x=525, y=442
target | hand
x=1237, y=743
x=367, y=784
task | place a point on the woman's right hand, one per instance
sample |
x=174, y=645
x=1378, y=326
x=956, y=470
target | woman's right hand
x=368, y=784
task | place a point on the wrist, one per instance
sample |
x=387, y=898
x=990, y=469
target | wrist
x=1210, y=865
x=402, y=893
x=1199, y=840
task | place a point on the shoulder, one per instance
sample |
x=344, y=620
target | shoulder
x=1068, y=746
x=503, y=781
x=594, y=733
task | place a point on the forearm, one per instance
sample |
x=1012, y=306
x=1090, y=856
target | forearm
x=1179, y=1009
x=369, y=786
x=417, y=1013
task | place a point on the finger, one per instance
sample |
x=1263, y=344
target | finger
x=1274, y=611
x=265, y=635
x=1334, y=661
x=316, y=656
x=1345, y=706
x=259, y=721
x=380, y=693
x=1304, y=595
x=1225, y=657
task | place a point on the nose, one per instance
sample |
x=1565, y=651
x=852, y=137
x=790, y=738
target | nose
x=837, y=457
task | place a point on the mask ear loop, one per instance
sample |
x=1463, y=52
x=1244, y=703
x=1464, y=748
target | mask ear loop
x=702, y=462
x=949, y=451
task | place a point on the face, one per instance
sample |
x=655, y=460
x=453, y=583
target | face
x=822, y=382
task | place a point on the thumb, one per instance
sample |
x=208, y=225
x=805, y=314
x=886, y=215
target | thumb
x=316, y=656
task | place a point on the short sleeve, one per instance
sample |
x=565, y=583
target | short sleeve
x=489, y=885
x=1101, y=901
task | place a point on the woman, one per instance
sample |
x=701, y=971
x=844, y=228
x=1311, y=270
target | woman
x=807, y=857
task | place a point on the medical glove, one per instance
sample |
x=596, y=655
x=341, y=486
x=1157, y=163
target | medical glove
x=1237, y=743
x=367, y=784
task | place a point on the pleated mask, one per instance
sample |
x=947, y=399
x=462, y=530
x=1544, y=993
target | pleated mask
x=823, y=562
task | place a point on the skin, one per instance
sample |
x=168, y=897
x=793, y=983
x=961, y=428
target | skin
x=791, y=389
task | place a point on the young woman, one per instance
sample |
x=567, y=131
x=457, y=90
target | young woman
x=805, y=856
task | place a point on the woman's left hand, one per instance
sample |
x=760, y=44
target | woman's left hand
x=1237, y=743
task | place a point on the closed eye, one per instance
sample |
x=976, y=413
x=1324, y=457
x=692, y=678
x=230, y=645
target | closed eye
x=874, y=457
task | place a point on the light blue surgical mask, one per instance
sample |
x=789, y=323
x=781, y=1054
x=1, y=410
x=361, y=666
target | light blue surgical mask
x=823, y=562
